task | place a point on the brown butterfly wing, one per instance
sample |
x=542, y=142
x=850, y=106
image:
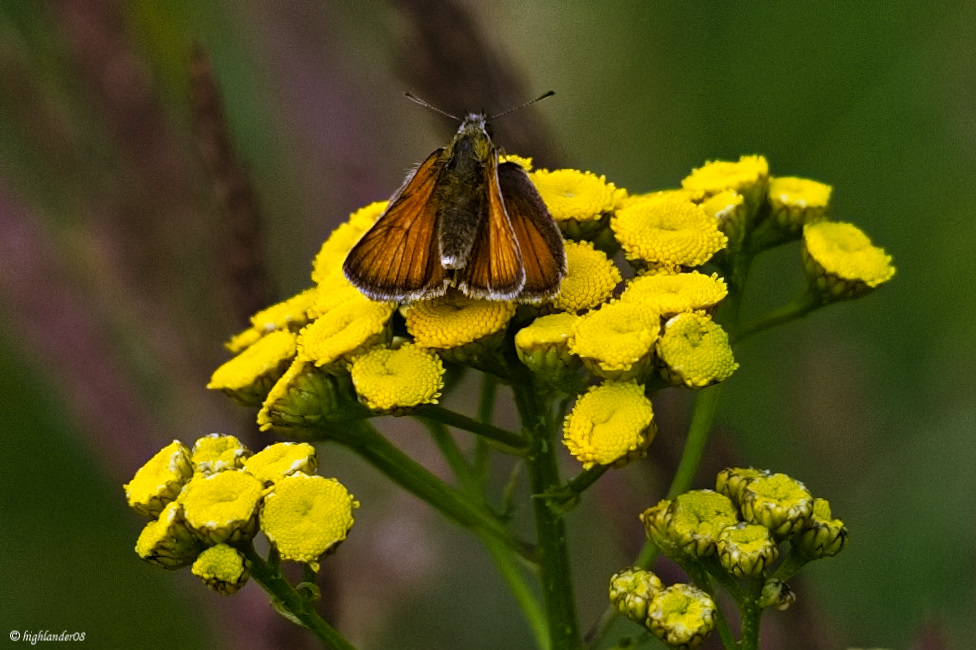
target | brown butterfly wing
x=494, y=268
x=539, y=239
x=398, y=259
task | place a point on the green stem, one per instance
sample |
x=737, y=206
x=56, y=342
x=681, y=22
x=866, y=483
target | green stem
x=751, y=613
x=291, y=604
x=797, y=308
x=506, y=440
x=701, y=578
x=557, y=586
x=706, y=403
x=365, y=440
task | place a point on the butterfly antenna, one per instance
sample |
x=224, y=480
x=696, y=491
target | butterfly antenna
x=521, y=106
x=414, y=98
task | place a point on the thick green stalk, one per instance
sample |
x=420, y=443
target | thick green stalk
x=706, y=404
x=291, y=604
x=510, y=442
x=557, y=585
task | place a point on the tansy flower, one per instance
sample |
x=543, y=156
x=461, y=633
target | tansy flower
x=797, y=201
x=746, y=550
x=667, y=230
x=695, y=520
x=613, y=423
x=454, y=320
x=281, y=459
x=222, y=507
x=694, y=351
x=578, y=201
x=590, y=280
x=333, y=292
x=305, y=396
x=389, y=380
x=341, y=333
x=167, y=542
x=330, y=257
x=681, y=615
x=673, y=293
x=778, y=502
x=732, y=480
x=631, y=590
x=250, y=375
x=748, y=177
x=821, y=535
x=216, y=453
x=840, y=261
x=160, y=480
x=543, y=346
x=306, y=516
x=695, y=196
x=222, y=568
x=289, y=314
x=728, y=208
x=616, y=340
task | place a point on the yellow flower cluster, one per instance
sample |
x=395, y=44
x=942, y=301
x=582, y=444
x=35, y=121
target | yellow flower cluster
x=205, y=502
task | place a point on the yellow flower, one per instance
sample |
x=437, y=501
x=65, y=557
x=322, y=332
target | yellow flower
x=673, y=293
x=394, y=381
x=611, y=424
x=616, y=340
x=222, y=568
x=590, y=280
x=348, y=329
x=694, y=351
x=330, y=257
x=167, y=542
x=543, y=346
x=289, y=314
x=840, y=261
x=728, y=208
x=250, y=375
x=333, y=292
x=281, y=459
x=306, y=396
x=578, y=201
x=454, y=320
x=681, y=615
x=222, y=507
x=525, y=163
x=797, y=201
x=216, y=453
x=749, y=177
x=667, y=230
x=160, y=480
x=306, y=516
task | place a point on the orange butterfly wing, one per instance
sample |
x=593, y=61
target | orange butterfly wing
x=398, y=259
x=538, y=236
x=494, y=268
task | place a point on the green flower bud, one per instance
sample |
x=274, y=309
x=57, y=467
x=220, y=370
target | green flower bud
x=778, y=502
x=631, y=590
x=746, y=550
x=681, y=615
x=697, y=518
x=821, y=535
x=776, y=594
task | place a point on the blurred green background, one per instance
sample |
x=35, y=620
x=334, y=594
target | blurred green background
x=122, y=271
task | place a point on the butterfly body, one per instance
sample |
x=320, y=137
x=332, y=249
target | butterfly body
x=461, y=219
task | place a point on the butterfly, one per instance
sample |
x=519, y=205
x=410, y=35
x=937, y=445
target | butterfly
x=461, y=219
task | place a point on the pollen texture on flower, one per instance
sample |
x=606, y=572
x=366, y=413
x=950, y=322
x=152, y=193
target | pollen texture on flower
x=453, y=320
x=796, y=201
x=405, y=377
x=694, y=351
x=667, y=230
x=222, y=507
x=216, y=453
x=251, y=374
x=160, y=480
x=573, y=194
x=616, y=340
x=281, y=459
x=846, y=253
x=673, y=293
x=611, y=424
x=306, y=516
x=590, y=280
x=351, y=327
x=222, y=568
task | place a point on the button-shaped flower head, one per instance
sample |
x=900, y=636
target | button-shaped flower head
x=694, y=351
x=307, y=516
x=167, y=542
x=160, y=480
x=840, y=261
x=281, y=459
x=617, y=340
x=250, y=375
x=611, y=424
x=222, y=568
x=590, y=279
x=631, y=591
x=681, y=615
x=397, y=380
x=217, y=452
x=222, y=507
